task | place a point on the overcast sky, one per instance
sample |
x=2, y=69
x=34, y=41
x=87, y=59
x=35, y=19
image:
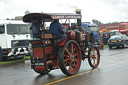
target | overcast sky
x=103, y=10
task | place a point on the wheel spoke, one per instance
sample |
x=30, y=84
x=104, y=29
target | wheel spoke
x=72, y=48
x=66, y=56
x=96, y=56
x=67, y=59
x=76, y=54
x=67, y=51
x=90, y=58
x=66, y=62
x=94, y=63
x=75, y=62
x=70, y=67
x=91, y=53
x=94, y=52
x=93, y=56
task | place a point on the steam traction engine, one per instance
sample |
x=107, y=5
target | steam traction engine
x=48, y=54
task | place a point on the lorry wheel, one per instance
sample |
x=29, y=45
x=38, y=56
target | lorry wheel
x=94, y=57
x=69, y=58
x=1, y=56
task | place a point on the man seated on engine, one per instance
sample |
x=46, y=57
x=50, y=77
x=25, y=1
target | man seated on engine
x=57, y=30
x=36, y=29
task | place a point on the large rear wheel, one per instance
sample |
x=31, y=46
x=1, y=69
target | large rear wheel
x=94, y=57
x=69, y=58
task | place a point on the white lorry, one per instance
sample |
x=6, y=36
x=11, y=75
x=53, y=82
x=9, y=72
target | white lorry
x=14, y=39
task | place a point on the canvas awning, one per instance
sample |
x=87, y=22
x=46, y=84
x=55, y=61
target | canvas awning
x=50, y=16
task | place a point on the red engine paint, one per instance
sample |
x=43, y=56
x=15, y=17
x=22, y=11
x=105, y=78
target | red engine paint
x=38, y=52
x=40, y=68
x=63, y=42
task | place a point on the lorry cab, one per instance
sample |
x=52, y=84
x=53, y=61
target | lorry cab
x=92, y=29
x=123, y=28
x=14, y=37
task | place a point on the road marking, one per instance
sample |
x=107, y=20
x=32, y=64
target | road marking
x=86, y=72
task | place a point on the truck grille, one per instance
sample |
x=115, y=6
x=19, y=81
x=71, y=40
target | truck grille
x=20, y=43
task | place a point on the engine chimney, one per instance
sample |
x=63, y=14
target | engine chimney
x=78, y=11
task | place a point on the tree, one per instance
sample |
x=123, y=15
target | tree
x=27, y=12
x=96, y=22
x=9, y=19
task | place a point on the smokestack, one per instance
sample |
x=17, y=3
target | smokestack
x=78, y=11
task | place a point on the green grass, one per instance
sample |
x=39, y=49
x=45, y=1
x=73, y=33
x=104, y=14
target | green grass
x=105, y=46
x=14, y=61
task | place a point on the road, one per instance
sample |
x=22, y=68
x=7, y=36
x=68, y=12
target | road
x=112, y=70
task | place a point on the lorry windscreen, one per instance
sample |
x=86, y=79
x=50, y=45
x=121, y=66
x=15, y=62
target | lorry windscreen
x=93, y=28
x=2, y=29
x=17, y=29
x=121, y=26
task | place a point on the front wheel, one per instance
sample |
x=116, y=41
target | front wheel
x=69, y=58
x=1, y=56
x=94, y=57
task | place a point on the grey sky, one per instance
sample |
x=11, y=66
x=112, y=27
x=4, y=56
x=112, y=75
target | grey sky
x=103, y=10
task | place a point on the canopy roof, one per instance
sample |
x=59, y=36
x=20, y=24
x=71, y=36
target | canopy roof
x=50, y=16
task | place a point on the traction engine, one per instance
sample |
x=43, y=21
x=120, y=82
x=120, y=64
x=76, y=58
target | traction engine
x=48, y=54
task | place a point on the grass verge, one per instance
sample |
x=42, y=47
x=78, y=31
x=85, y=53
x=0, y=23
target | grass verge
x=15, y=61
x=105, y=46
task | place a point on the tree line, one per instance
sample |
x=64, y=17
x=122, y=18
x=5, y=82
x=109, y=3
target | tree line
x=97, y=22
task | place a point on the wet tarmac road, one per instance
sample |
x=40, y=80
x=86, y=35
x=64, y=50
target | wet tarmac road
x=112, y=70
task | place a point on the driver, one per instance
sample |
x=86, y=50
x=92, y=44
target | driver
x=57, y=30
x=36, y=29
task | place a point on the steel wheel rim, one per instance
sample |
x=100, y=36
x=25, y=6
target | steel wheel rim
x=94, y=57
x=72, y=58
